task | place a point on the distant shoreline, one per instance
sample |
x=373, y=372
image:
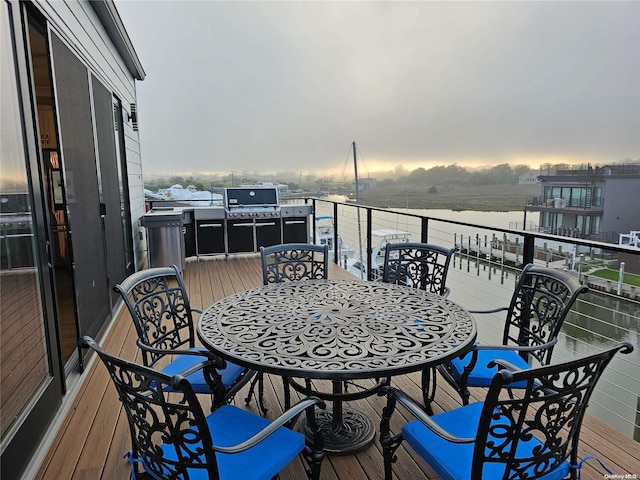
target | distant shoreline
x=484, y=198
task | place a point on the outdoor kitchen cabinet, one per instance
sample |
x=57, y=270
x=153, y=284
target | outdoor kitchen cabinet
x=209, y=230
x=189, y=233
x=248, y=235
x=165, y=237
x=268, y=232
x=240, y=236
x=295, y=230
x=210, y=236
x=250, y=218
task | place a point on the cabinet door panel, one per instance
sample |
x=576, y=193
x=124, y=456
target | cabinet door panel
x=210, y=236
x=240, y=236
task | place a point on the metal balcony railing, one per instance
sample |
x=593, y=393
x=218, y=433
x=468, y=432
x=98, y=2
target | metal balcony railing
x=483, y=274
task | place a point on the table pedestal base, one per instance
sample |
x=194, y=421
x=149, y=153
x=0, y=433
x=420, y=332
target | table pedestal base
x=354, y=434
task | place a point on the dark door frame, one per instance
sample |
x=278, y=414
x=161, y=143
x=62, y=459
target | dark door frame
x=25, y=439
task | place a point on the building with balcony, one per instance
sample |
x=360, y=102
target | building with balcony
x=597, y=203
x=71, y=197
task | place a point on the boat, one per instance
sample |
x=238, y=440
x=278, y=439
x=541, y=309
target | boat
x=379, y=240
x=381, y=237
x=325, y=235
x=189, y=196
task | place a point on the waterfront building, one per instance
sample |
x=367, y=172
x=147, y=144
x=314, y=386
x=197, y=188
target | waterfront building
x=528, y=178
x=588, y=202
x=71, y=196
x=365, y=184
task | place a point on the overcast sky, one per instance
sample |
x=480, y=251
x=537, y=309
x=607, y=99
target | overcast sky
x=287, y=86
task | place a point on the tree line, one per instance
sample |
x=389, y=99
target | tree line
x=440, y=175
x=456, y=175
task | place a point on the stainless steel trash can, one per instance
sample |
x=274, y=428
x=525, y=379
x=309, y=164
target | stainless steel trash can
x=165, y=241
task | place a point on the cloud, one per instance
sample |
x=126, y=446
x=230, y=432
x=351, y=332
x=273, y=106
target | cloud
x=274, y=86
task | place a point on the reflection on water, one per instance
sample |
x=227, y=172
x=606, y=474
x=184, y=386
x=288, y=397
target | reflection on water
x=599, y=319
x=596, y=322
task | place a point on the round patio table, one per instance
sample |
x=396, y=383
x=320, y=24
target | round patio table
x=337, y=330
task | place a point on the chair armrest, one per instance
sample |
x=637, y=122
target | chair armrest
x=517, y=348
x=196, y=310
x=503, y=364
x=289, y=416
x=199, y=366
x=495, y=310
x=416, y=410
x=217, y=361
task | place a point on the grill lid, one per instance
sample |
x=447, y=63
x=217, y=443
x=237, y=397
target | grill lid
x=250, y=197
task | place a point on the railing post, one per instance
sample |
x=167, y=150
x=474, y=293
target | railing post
x=424, y=234
x=335, y=234
x=369, y=246
x=528, y=248
x=313, y=219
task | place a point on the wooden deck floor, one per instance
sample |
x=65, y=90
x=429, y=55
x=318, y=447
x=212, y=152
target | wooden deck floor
x=94, y=436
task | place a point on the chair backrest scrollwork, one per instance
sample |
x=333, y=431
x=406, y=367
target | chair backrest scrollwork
x=294, y=261
x=169, y=432
x=541, y=301
x=533, y=434
x=418, y=265
x=158, y=303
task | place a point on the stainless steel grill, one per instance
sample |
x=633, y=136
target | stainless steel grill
x=251, y=202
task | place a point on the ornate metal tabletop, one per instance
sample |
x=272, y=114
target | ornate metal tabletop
x=336, y=329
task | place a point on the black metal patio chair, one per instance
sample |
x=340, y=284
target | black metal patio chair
x=534, y=435
x=418, y=265
x=539, y=305
x=173, y=439
x=294, y=261
x=289, y=262
x=159, y=306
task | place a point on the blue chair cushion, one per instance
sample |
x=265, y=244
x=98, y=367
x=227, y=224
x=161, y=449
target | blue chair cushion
x=183, y=362
x=231, y=425
x=482, y=375
x=453, y=460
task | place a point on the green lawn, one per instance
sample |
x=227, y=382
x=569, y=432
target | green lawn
x=611, y=274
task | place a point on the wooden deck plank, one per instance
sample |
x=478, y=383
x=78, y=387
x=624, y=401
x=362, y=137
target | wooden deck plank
x=95, y=435
x=62, y=460
x=94, y=455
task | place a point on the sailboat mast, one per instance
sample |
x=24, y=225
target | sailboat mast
x=355, y=169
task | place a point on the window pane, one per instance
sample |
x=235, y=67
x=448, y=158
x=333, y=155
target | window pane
x=23, y=354
x=597, y=197
x=577, y=197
